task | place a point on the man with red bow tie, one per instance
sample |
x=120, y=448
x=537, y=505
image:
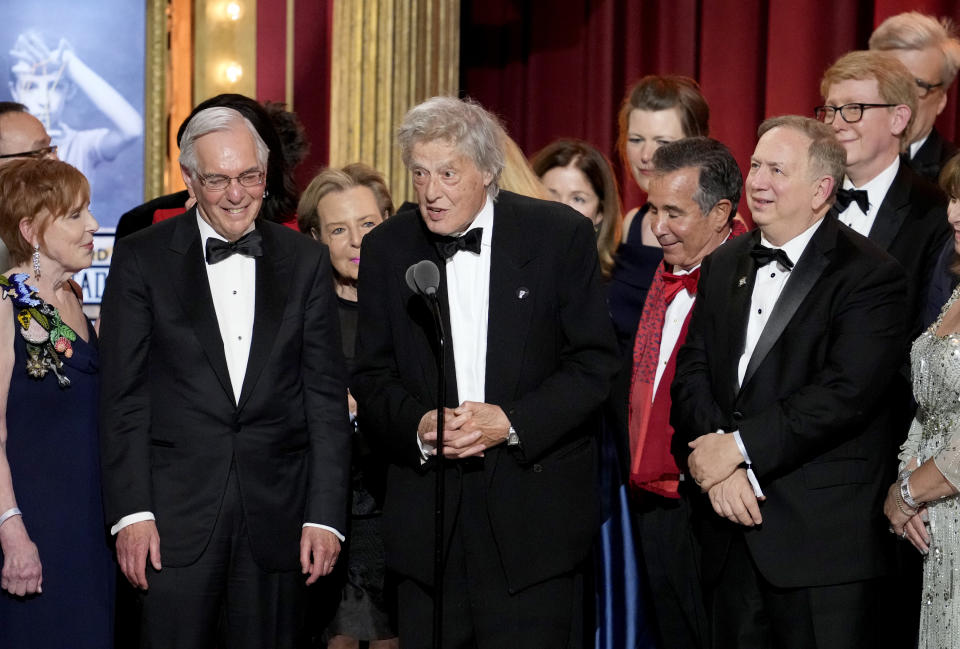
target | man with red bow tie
x=693, y=200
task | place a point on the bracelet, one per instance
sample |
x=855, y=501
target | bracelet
x=10, y=513
x=905, y=494
x=901, y=507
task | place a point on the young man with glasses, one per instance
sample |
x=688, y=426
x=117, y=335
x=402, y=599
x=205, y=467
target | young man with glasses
x=869, y=101
x=930, y=50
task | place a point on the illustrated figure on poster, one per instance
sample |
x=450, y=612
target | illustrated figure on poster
x=45, y=80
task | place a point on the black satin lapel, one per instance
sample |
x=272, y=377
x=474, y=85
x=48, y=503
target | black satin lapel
x=273, y=284
x=738, y=314
x=892, y=211
x=197, y=303
x=802, y=278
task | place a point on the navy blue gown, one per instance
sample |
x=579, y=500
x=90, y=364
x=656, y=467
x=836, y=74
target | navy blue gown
x=632, y=274
x=53, y=450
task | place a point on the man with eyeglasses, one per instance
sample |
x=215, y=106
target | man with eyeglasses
x=225, y=443
x=21, y=136
x=930, y=50
x=869, y=101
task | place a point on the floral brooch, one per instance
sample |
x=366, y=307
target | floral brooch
x=45, y=335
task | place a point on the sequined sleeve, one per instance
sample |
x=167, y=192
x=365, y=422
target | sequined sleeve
x=910, y=448
x=947, y=459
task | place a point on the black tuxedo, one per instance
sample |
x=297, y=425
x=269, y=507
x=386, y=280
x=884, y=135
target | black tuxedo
x=911, y=225
x=813, y=411
x=551, y=354
x=931, y=156
x=171, y=428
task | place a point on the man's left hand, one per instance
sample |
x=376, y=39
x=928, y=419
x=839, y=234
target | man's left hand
x=714, y=458
x=319, y=549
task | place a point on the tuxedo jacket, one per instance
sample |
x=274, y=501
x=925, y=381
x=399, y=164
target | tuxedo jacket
x=171, y=427
x=813, y=411
x=911, y=225
x=932, y=156
x=551, y=354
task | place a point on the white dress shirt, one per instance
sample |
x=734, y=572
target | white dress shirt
x=468, y=299
x=915, y=146
x=770, y=282
x=233, y=289
x=673, y=319
x=876, y=189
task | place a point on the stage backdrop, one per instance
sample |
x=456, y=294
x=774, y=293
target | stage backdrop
x=560, y=69
x=77, y=100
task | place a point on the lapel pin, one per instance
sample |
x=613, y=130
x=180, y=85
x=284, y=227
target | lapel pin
x=742, y=281
x=522, y=292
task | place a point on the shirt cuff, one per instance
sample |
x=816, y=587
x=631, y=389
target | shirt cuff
x=130, y=519
x=426, y=450
x=329, y=529
x=751, y=476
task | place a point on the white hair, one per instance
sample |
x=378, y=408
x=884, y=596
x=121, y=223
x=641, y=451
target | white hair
x=913, y=30
x=212, y=120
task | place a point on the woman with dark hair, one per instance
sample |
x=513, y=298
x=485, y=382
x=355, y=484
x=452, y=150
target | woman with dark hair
x=57, y=585
x=656, y=110
x=922, y=504
x=576, y=173
x=339, y=208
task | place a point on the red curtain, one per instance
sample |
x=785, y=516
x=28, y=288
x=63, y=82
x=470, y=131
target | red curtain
x=560, y=68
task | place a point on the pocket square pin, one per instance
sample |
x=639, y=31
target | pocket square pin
x=742, y=282
x=522, y=292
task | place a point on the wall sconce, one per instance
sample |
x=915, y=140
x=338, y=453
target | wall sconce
x=233, y=10
x=232, y=71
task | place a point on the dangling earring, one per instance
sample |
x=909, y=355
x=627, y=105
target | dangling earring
x=36, y=260
x=266, y=193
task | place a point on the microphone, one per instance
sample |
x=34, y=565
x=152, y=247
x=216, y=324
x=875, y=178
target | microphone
x=423, y=277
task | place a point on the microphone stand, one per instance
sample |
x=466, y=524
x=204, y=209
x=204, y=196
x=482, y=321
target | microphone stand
x=440, y=484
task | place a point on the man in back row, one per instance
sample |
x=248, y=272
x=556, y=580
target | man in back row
x=21, y=135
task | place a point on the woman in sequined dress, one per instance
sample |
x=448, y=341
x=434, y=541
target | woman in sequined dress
x=922, y=504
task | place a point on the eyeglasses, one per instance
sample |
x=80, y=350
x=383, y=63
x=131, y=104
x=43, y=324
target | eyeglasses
x=926, y=88
x=36, y=153
x=218, y=183
x=851, y=113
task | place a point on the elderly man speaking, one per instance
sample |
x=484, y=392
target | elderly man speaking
x=530, y=355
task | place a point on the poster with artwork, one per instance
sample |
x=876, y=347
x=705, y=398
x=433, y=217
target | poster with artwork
x=79, y=68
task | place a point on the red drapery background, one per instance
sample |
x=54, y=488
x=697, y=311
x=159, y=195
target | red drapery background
x=560, y=68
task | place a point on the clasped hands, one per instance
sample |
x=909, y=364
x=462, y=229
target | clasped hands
x=713, y=465
x=468, y=430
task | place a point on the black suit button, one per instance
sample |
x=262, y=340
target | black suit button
x=737, y=415
x=538, y=468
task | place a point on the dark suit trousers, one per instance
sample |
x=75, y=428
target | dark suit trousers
x=224, y=599
x=671, y=557
x=479, y=611
x=748, y=612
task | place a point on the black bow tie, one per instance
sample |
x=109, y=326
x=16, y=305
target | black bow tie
x=763, y=256
x=858, y=196
x=250, y=244
x=447, y=247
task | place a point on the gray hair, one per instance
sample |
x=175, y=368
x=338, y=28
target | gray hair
x=720, y=177
x=465, y=124
x=825, y=154
x=212, y=120
x=913, y=30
